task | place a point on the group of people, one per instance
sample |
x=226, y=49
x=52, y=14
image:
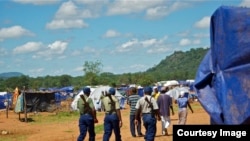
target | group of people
x=146, y=110
x=156, y=105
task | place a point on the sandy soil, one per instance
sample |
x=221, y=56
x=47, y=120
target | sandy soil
x=68, y=131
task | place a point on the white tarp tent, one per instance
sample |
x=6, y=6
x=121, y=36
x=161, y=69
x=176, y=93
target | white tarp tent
x=175, y=92
x=74, y=102
x=171, y=83
x=95, y=95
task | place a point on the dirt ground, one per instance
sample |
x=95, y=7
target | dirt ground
x=68, y=131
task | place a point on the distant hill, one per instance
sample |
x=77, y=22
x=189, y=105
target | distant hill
x=179, y=65
x=10, y=74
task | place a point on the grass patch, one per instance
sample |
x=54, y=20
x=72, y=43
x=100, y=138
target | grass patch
x=13, y=138
x=59, y=117
x=98, y=129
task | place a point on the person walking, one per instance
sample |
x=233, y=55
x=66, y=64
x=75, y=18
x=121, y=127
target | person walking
x=164, y=102
x=132, y=100
x=183, y=103
x=87, y=118
x=112, y=119
x=155, y=93
x=148, y=107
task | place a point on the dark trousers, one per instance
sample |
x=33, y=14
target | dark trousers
x=111, y=122
x=133, y=126
x=149, y=122
x=86, y=123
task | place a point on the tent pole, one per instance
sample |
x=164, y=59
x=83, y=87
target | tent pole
x=25, y=106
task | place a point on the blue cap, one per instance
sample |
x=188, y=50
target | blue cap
x=112, y=91
x=148, y=90
x=86, y=90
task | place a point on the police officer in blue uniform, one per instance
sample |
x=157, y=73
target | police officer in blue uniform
x=147, y=105
x=112, y=119
x=87, y=118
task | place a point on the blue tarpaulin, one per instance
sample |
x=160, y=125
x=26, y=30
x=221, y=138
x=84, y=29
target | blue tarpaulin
x=223, y=77
x=5, y=97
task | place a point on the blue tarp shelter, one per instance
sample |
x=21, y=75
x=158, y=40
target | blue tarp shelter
x=5, y=97
x=222, y=80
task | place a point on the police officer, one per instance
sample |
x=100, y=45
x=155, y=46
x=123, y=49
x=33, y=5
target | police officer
x=148, y=107
x=87, y=118
x=112, y=119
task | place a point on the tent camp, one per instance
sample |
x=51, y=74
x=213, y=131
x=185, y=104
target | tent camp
x=222, y=79
x=96, y=95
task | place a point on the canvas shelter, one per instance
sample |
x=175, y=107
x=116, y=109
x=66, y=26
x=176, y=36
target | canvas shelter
x=36, y=101
x=96, y=95
x=222, y=79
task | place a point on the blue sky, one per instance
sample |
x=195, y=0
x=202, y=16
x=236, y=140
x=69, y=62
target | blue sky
x=56, y=37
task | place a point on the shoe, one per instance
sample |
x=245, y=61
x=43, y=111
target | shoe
x=133, y=135
x=165, y=132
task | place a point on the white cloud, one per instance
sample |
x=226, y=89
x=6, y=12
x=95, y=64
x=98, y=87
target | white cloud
x=245, y=3
x=70, y=16
x=67, y=10
x=58, y=47
x=184, y=42
x=66, y=24
x=127, y=46
x=111, y=34
x=148, y=43
x=14, y=32
x=27, y=48
x=37, y=2
x=203, y=23
x=154, y=45
x=55, y=49
x=157, y=12
x=133, y=6
x=160, y=10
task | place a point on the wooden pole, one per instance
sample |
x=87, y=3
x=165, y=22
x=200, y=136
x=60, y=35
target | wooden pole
x=25, y=104
x=6, y=103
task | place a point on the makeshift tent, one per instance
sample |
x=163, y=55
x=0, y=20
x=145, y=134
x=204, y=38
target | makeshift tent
x=5, y=98
x=222, y=79
x=36, y=101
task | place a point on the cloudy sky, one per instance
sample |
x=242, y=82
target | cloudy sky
x=56, y=37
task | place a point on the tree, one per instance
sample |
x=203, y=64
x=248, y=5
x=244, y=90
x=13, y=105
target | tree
x=91, y=70
x=65, y=80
